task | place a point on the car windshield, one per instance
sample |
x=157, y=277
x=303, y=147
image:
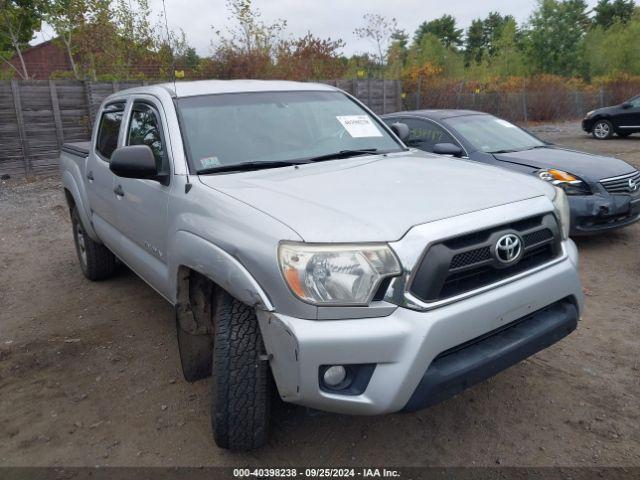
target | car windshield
x=492, y=135
x=223, y=130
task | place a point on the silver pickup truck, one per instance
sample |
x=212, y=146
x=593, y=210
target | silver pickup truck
x=307, y=250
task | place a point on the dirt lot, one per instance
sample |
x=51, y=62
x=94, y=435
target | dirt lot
x=89, y=372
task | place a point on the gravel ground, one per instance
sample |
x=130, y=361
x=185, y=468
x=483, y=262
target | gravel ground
x=90, y=375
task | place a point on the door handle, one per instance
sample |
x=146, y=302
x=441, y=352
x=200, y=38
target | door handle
x=90, y=176
x=119, y=191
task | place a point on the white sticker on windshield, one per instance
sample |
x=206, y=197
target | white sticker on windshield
x=359, y=126
x=504, y=123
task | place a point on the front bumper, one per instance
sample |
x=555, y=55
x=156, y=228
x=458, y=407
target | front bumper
x=601, y=212
x=587, y=125
x=404, y=344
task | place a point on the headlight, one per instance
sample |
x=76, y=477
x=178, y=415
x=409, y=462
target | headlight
x=571, y=184
x=336, y=274
x=563, y=214
x=588, y=115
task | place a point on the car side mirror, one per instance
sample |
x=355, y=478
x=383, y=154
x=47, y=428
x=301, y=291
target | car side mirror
x=400, y=129
x=447, y=149
x=134, y=161
x=626, y=105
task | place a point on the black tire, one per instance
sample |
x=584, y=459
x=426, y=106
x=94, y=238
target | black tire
x=242, y=384
x=96, y=261
x=602, y=129
x=624, y=134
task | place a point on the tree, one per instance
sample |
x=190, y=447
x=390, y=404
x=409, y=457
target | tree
x=66, y=17
x=475, y=42
x=482, y=36
x=506, y=58
x=433, y=52
x=443, y=28
x=608, y=12
x=605, y=56
x=555, y=35
x=309, y=58
x=19, y=20
x=379, y=30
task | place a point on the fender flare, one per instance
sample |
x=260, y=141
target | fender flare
x=206, y=258
x=69, y=183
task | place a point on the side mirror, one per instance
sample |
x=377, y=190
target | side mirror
x=401, y=130
x=447, y=149
x=626, y=105
x=134, y=161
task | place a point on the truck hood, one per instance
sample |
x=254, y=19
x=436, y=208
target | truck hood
x=375, y=198
x=587, y=166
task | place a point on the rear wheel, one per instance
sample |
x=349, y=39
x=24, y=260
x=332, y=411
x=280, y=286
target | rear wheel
x=242, y=385
x=96, y=260
x=602, y=129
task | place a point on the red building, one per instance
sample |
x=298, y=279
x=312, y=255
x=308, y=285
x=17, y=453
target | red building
x=42, y=60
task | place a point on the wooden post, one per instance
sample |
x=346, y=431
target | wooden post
x=15, y=90
x=87, y=91
x=55, y=108
x=398, y=95
x=384, y=96
x=115, y=86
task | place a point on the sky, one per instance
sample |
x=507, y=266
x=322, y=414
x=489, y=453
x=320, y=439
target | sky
x=326, y=18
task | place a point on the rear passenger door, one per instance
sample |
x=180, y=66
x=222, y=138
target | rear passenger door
x=98, y=176
x=143, y=204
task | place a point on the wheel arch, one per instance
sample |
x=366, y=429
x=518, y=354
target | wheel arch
x=196, y=255
x=74, y=198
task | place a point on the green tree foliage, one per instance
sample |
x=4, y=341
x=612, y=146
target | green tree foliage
x=443, y=28
x=506, y=58
x=555, y=35
x=19, y=20
x=431, y=50
x=482, y=36
x=606, y=51
x=608, y=12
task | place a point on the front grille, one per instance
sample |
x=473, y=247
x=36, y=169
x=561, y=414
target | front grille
x=621, y=184
x=467, y=262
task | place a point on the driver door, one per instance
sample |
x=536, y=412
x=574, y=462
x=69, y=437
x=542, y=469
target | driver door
x=143, y=204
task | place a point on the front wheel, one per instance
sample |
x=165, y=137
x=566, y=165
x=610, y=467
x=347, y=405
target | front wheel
x=242, y=384
x=602, y=129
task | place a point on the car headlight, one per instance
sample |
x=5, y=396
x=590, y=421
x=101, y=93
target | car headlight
x=562, y=212
x=571, y=184
x=589, y=114
x=336, y=274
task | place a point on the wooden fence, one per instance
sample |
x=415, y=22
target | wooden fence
x=37, y=117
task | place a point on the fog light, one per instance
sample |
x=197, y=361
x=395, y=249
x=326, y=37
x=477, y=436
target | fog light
x=335, y=375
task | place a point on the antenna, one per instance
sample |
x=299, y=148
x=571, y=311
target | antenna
x=173, y=58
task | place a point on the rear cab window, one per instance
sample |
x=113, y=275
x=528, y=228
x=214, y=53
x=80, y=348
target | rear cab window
x=109, y=129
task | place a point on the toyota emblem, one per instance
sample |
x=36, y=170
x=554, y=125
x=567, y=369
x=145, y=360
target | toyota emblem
x=508, y=248
x=633, y=186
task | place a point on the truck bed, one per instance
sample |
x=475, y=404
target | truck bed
x=77, y=148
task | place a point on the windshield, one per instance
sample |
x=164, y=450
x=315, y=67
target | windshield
x=229, y=129
x=490, y=134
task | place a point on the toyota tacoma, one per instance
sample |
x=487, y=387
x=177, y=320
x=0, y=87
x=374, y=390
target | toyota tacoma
x=307, y=251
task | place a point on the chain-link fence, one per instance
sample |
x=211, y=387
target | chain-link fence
x=520, y=106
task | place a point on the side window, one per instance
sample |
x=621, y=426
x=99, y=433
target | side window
x=107, y=140
x=635, y=102
x=144, y=129
x=424, y=134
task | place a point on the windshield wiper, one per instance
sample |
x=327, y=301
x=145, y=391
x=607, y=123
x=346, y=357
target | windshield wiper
x=504, y=151
x=247, y=166
x=344, y=154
